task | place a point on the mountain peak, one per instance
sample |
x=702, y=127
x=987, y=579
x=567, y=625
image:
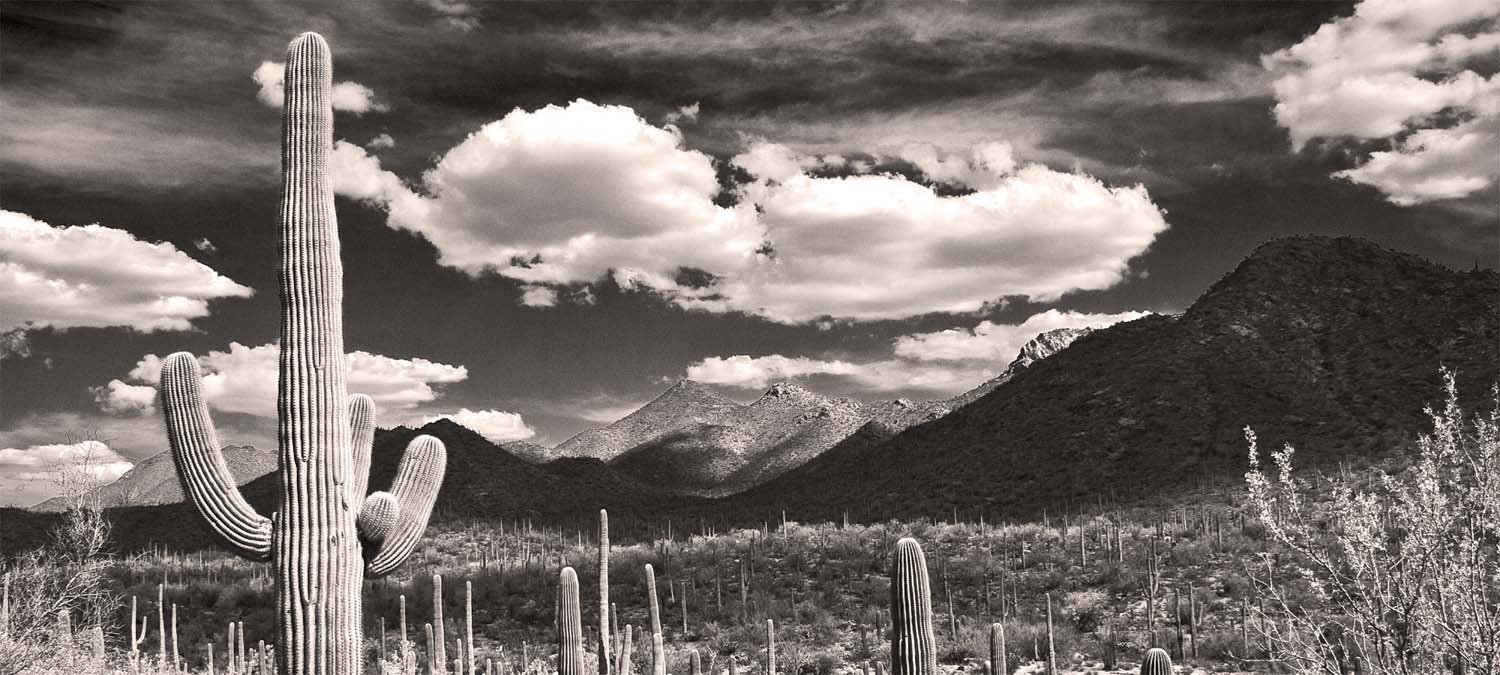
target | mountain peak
x=786, y=392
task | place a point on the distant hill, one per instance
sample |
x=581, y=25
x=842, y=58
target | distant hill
x=154, y=480
x=686, y=404
x=1333, y=345
x=744, y=444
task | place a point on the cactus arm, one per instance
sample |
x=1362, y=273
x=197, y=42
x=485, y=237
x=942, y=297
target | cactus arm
x=361, y=440
x=195, y=451
x=415, y=489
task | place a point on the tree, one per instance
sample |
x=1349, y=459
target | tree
x=1398, y=573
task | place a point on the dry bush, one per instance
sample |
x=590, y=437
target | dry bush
x=1399, y=572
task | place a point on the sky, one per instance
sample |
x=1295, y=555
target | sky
x=552, y=212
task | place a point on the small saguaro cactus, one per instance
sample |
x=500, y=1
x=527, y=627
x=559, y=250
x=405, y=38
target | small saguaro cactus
x=695, y=662
x=569, y=625
x=326, y=531
x=912, y=638
x=1157, y=662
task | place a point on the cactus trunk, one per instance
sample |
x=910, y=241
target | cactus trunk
x=569, y=625
x=324, y=521
x=603, y=592
x=658, y=649
x=912, y=639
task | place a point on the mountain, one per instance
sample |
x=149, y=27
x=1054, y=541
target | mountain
x=1040, y=347
x=154, y=480
x=686, y=404
x=1331, y=344
x=745, y=444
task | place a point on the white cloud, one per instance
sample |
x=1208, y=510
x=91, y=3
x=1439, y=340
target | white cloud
x=684, y=115
x=98, y=276
x=759, y=371
x=538, y=296
x=568, y=195
x=1389, y=69
x=204, y=245
x=32, y=474
x=496, y=425
x=983, y=168
x=346, y=96
x=1032, y=231
x=381, y=142
x=943, y=362
x=243, y=380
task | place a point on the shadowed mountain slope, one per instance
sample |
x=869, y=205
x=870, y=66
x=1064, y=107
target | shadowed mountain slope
x=1333, y=345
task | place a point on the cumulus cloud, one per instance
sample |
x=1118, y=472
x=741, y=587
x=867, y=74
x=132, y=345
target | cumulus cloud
x=496, y=425
x=684, y=115
x=347, y=96
x=99, y=276
x=567, y=195
x=943, y=362
x=34, y=473
x=1029, y=231
x=759, y=371
x=243, y=380
x=381, y=142
x=1404, y=72
x=538, y=296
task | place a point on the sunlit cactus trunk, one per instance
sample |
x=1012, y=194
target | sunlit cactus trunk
x=912, y=639
x=569, y=625
x=327, y=534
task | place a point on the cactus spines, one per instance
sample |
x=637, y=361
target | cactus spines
x=439, y=645
x=623, y=666
x=997, y=650
x=603, y=592
x=658, y=649
x=432, y=650
x=770, y=647
x=1156, y=662
x=469, y=622
x=912, y=639
x=324, y=435
x=569, y=625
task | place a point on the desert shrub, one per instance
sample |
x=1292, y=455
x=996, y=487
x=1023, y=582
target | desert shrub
x=1085, y=609
x=1404, y=578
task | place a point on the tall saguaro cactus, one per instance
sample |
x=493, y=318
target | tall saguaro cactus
x=912, y=639
x=604, y=632
x=569, y=625
x=658, y=648
x=325, y=532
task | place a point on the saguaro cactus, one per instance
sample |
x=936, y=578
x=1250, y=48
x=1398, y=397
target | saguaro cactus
x=325, y=528
x=998, y=666
x=603, y=592
x=1157, y=662
x=658, y=649
x=912, y=639
x=569, y=625
x=770, y=647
